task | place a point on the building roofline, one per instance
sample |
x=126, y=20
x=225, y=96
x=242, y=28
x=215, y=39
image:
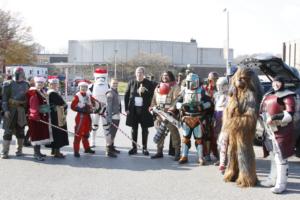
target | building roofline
x=131, y=40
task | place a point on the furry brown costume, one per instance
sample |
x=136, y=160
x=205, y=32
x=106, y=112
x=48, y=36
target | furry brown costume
x=239, y=120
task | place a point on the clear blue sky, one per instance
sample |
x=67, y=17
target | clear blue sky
x=256, y=26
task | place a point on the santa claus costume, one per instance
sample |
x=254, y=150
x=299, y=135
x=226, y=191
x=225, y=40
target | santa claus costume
x=39, y=117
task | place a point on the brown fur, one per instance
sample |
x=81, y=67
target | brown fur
x=239, y=121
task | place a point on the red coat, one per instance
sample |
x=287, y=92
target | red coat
x=39, y=132
x=83, y=119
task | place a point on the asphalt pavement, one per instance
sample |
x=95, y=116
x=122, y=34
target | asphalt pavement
x=127, y=177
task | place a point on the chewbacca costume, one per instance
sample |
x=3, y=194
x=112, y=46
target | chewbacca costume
x=240, y=117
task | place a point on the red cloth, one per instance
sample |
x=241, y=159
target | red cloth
x=38, y=131
x=76, y=144
x=83, y=121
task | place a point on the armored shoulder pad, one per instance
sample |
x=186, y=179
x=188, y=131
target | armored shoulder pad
x=284, y=93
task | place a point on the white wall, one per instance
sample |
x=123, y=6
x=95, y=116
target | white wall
x=29, y=71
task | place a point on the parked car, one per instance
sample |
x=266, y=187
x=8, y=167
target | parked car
x=272, y=66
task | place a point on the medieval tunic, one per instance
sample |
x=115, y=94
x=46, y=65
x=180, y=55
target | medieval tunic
x=14, y=101
x=40, y=133
x=58, y=109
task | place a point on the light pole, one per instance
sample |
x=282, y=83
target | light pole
x=226, y=55
x=115, y=75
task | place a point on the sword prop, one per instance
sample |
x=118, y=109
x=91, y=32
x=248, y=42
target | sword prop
x=126, y=135
x=62, y=129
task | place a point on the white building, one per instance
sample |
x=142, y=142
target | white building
x=29, y=70
x=291, y=53
x=179, y=53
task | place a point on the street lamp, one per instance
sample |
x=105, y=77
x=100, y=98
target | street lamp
x=226, y=55
x=115, y=75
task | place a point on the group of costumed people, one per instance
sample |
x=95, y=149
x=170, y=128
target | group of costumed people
x=35, y=106
x=220, y=114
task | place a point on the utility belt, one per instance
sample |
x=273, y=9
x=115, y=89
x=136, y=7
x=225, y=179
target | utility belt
x=192, y=122
x=197, y=114
x=16, y=103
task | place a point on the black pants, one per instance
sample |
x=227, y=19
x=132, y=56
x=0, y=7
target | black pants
x=134, y=134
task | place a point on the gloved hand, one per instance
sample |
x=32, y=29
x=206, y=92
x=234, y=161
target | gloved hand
x=85, y=110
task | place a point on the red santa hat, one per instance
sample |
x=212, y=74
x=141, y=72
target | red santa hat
x=100, y=72
x=83, y=83
x=53, y=79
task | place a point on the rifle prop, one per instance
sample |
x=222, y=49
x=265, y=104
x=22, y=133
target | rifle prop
x=166, y=117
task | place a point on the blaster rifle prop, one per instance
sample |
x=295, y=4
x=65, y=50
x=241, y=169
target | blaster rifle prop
x=166, y=117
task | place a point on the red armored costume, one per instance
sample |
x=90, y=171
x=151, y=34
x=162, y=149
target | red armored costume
x=82, y=103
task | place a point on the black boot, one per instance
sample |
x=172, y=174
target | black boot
x=171, y=148
x=114, y=149
x=145, y=152
x=110, y=152
x=132, y=151
x=157, y=155
x=89, y=150
x=177, y=154
x=37, y=153
x=76, y=154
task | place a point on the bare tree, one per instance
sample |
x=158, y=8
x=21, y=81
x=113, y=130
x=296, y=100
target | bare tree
x=155, y=64
x=16, y=42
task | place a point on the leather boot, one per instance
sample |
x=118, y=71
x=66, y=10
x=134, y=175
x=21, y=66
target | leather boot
x=37, y=153
x=132, y=151
x=177, y=154
x=58, y=154
x=159, y=154
x=183, y=160
x=89, y=150
x=5, y=149
x=20, y=143
x=110, y=152
x=114, y=149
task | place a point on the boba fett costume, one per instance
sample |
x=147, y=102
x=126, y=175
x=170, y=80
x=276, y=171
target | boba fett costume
x=14, y=108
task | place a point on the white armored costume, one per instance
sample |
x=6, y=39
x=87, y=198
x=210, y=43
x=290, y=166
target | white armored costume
x=98, y=90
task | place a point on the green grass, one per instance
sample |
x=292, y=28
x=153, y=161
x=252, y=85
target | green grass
x=122, y=87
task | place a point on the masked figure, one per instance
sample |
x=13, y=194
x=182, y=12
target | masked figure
x=98, y=90
x=277, y=110
x=195, y=106
x=14, y=107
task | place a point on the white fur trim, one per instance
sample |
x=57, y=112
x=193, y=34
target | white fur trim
x=42, y=142
x=39, y=79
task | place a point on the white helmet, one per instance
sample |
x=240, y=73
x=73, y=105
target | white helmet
x=222, y=85
x=101, y=76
